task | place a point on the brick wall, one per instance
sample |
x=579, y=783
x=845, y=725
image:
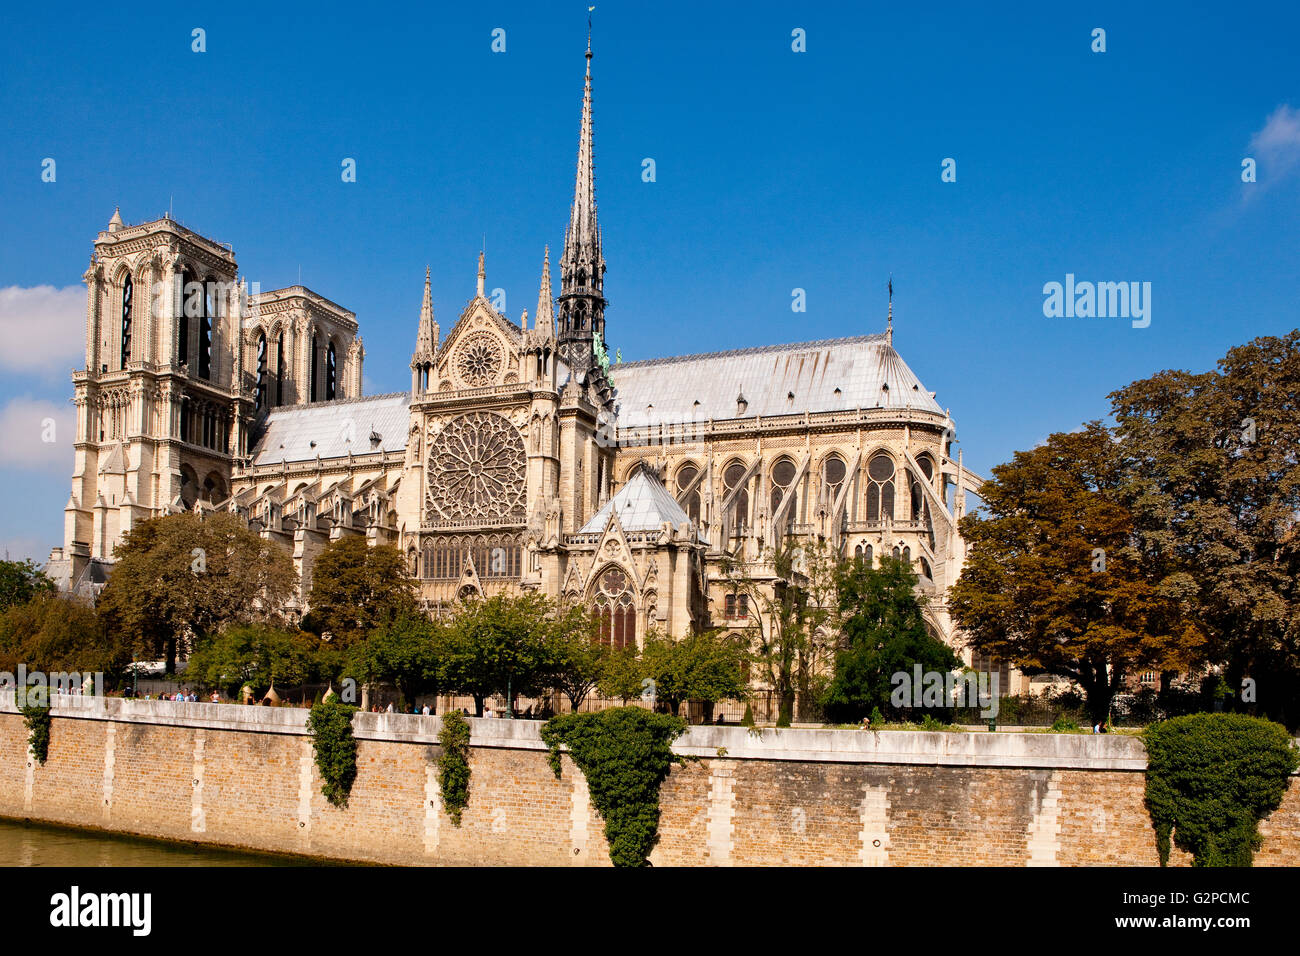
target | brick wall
x=246, y=777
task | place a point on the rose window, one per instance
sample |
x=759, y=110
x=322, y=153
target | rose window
x=479, y=360
x=476, y=470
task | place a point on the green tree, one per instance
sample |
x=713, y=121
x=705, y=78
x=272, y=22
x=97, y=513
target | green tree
x=620, y=673
x=884, y=634
x=357, y=588
x=407, y=652
x=791, y=623
x=499, y=646
x=20, y=581
x=704, y=667
x=256, y=654
x=1214, y=486
x=578, y=659
x=185, y=576
x=53, y=633
x=1055, y=579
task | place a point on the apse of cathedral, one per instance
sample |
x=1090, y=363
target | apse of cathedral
x=520, y=458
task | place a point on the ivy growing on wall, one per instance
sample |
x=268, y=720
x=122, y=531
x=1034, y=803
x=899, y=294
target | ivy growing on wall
x=330, y=725
x=1210, y=779
x=453, y=765
x=625, y=753
x=37, y=719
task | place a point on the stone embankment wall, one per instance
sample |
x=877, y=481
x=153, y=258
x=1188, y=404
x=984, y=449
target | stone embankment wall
x=246, y=777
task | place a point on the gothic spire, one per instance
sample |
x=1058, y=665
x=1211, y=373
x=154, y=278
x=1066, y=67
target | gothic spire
x=582, y=264
x=583, y=232
x=482, y=275
x=544, y=318
x=426, y=337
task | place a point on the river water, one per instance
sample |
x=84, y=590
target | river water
x=34, y=844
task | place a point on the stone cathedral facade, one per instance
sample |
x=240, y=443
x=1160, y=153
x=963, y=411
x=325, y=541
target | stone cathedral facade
x=520, y=458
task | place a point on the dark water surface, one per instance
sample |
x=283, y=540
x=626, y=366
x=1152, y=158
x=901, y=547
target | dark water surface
x=36, y=844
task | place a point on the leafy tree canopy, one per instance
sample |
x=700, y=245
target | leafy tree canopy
x=257, y=654
x=884, y=633
x=1055, y=580
x=500, y=645
x=356, y=588
x=705, y=667
x=1213, y=482
x=189, y=575
x=20, y=581
x=52, y=633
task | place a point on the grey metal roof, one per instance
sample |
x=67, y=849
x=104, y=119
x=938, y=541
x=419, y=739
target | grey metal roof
x=336, y=428
x=829, y=375
x=643, y=504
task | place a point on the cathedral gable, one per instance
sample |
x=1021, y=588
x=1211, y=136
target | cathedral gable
x=480, y=350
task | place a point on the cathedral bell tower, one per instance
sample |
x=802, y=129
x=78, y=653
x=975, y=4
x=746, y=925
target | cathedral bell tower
x=581, y=333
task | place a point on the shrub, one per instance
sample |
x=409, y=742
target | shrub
x=330, y=724
x=1210, y=779
x=784, y=714
x=453, y=765
x=1064, y=725
x=37, y=719
x=625, y=753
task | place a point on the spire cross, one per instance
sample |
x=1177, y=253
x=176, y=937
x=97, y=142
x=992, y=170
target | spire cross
x=889, y=328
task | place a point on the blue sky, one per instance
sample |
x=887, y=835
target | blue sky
x=818, y=170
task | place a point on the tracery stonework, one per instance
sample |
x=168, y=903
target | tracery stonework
x=479, y=360
x=476, y=471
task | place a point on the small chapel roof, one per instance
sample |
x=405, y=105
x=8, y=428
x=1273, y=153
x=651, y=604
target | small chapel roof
x=332, y=429
x=642, y=504
x=861, y=371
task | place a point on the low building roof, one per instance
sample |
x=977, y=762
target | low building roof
x=862, y=371
x=642, y=504
x=332, y=429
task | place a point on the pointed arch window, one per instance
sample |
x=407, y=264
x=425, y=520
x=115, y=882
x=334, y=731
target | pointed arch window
x=279, y=369
x=920, y=509
x=128, y=291
x=880, y=488
x=259, y=391
x=783, y=473
x=189, y=288
x=614, y=610
x=833, y=473
x=315, y=352
x=685, y=475
x=205, y=329
x=331, y=373
x=731, y=481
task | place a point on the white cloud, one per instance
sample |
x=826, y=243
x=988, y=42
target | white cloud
x=38, y=434
x=43, y=328
x=1276, y=147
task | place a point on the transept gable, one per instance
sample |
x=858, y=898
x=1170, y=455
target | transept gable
x=612, y=547
x=481, y=349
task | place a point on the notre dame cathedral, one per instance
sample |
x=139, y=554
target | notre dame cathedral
x=521, y=458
